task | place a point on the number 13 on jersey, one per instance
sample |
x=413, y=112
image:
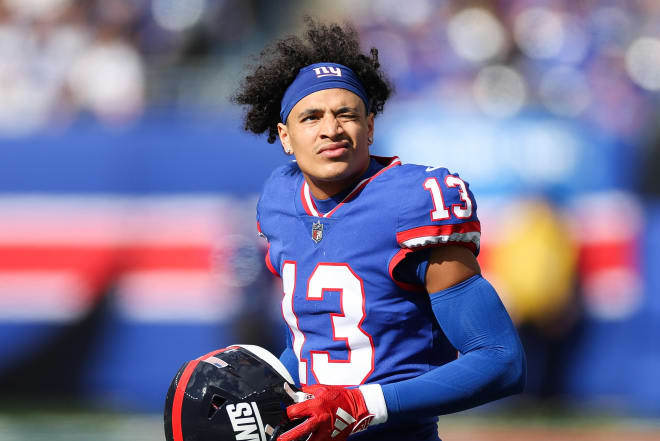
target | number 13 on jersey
x=346, y=325
x=440, y=211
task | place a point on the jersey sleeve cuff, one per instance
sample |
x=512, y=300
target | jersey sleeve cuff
x=467, y=234
x=375, y=401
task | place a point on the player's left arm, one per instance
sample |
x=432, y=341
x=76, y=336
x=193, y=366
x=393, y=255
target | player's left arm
x=467, y=308
x=448, y=266
x=492, y=362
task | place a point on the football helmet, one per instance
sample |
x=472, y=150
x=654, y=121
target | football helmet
x=235, y=393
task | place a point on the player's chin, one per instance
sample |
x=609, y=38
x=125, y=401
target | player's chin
x=334, y=170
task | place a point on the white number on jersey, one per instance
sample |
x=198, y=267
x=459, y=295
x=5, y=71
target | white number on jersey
x=289, y=285
x=440, y=211
x=360, y=361
x=460, y=211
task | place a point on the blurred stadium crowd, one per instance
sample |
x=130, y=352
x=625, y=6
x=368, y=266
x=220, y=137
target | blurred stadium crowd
x=55, y=54
x=559, y=98
x=598, y=61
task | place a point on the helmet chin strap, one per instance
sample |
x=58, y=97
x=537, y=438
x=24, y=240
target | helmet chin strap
x=297, y=396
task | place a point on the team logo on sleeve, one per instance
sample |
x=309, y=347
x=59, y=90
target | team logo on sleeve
x=317, y=231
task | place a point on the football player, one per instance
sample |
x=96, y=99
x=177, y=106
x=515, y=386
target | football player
x=381, y=285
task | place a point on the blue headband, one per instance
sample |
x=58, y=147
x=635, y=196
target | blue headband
x=317, y=77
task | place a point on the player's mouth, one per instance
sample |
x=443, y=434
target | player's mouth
x=334, y=149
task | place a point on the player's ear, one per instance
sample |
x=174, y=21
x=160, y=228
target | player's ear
x=370, y=127
x=283, y=132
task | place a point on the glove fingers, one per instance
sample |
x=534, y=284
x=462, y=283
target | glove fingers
x=301, y=431
x=298, y=411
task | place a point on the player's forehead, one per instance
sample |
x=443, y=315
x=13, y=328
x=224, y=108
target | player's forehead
x=328, y=99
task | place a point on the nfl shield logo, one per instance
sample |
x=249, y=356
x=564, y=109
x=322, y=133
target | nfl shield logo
x=317, y=231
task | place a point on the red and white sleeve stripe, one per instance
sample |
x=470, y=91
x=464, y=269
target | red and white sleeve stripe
x=467, y=233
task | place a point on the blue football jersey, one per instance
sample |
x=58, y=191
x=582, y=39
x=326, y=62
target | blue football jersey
x=351, y=322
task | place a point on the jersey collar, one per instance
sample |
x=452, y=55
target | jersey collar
x=308, y=201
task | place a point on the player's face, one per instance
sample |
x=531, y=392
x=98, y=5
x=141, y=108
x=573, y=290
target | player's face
x=329, y=133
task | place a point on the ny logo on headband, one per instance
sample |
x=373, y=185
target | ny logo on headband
x=327, y=71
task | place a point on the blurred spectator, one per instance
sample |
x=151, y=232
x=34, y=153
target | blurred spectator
x=62, y=57
x=38, y=43
x=111, y=62
x=597, y=62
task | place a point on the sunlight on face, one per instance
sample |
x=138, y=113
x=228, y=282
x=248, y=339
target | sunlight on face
x=328, y=132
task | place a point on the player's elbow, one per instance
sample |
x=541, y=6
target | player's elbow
x=514, y=370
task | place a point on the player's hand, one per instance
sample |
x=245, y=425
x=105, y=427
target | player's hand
x=332, y=413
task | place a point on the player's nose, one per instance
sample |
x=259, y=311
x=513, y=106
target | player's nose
x=330, y=127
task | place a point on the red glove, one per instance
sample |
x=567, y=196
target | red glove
x=332, y=414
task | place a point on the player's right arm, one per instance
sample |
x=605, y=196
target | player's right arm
x=268, y=208
x=289, y=359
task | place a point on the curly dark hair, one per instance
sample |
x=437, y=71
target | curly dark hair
x=262, y=90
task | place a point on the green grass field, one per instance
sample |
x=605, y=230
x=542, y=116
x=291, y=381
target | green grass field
x=52, y=426
x=95, y=426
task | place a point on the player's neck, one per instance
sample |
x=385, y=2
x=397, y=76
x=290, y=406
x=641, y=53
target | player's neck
x=327, y=189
